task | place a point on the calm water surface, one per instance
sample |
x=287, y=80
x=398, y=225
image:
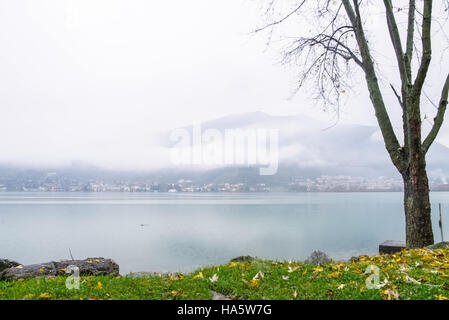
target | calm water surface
x=181, y=232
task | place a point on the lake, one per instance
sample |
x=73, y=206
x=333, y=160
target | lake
x=181, y=232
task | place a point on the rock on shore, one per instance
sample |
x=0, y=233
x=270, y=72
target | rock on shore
x=6, y=264
x=440, y=245
x=90, y=266
x=318, y=257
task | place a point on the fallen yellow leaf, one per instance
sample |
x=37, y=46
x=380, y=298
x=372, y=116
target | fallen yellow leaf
x=334, y=275
x=214, y=278
x=318, y=269
x=290, y=269
x=254, y=283
x=45, y=295
x=176, y=277
x=391, y=294
x=176, y=293
x=338, y=266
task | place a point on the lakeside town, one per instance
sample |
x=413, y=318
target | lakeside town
x=53, y=182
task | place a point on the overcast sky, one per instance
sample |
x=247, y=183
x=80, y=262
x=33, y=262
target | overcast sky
x=92, y=80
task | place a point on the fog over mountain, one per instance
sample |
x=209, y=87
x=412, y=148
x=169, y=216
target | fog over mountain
x=307, y=148
x=309, y=144
x=99, y=84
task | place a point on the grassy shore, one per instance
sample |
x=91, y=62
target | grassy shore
x=413, y=274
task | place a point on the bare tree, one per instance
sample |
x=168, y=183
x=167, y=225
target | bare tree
x=329, y=54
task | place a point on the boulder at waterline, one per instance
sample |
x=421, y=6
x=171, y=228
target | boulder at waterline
x=87, y=267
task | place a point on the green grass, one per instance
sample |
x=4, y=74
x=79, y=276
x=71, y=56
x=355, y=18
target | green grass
x=414, y=274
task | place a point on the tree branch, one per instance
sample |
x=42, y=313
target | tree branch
x=332, y=44
x=397, y=95
x=383, y=119
x=438, y=121
x=397, y=43
x=283, y=19
x=410, y=37
x=427, y=49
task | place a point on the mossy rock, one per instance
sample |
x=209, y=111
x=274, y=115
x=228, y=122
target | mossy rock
x=243, y=259
x=440, y=245
x=6, y=264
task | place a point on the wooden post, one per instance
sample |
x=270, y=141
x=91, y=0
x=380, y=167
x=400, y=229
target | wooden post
x=440, y=223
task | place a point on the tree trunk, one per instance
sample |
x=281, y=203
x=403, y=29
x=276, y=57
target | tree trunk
x=419, y=232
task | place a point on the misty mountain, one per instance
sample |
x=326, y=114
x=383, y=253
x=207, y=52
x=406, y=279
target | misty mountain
x=308, y=149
